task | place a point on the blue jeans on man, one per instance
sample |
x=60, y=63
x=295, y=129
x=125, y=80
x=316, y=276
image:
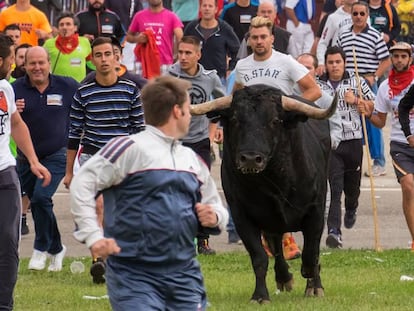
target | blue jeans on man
x=47, y=236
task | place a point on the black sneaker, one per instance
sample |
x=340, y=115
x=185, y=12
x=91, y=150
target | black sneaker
x=334, y=239
x=25, y=228
x=203, y=248
x=349, y=218
x=98, y=271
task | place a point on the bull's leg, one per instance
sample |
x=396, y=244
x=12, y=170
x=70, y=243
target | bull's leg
x=310, y=270
x=284, y=279
x=251, y=237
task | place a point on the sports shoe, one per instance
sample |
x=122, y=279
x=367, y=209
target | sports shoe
x=290, y=248
x=350, y=218
x=203, y=248
x=334, y=239
x=56, y=260
x=38, y=260
x=98, y=270
x=377, y=171
x=25, y=228
x=234, y=237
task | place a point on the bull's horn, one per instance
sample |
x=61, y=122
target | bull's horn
x=216, y=104
x=291, y=104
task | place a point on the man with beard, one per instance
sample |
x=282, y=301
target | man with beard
x=267, y=66
x=97, y=21
x=68, y=51
x=395, y=95
x=19, y=60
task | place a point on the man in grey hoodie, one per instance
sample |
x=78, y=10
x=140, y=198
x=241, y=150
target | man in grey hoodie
x=205, y=85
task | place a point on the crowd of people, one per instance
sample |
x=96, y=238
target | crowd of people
x=108, y=84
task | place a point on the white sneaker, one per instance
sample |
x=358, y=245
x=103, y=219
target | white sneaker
x=377, y=171
x=57, y=260
x=38, y=260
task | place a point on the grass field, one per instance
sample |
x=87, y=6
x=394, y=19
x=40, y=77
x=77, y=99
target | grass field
x=353, y=280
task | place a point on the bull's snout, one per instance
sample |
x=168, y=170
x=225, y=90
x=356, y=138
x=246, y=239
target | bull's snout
x=251, y=162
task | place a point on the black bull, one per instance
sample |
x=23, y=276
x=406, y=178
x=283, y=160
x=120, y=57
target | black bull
x=274, y=176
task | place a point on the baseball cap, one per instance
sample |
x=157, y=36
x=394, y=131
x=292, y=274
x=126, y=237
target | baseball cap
x=402, y=46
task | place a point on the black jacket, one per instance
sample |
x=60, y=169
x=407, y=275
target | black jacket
x=215, y=49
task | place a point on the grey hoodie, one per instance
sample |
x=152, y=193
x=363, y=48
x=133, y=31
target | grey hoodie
x=206, y=85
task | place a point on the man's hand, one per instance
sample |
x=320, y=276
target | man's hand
x=41, y=172
x=142, y=38
x=104, y=247
x=67, y=180
x=206, y=215
x=219, y=136
x=410, y=140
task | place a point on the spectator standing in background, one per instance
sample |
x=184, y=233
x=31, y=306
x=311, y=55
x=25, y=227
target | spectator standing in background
x=33, y=23
x=300, y=14
x=164, y=24
x=68, y=51
x=186, y=10
x=238, y=15
x=97, y=21
x=385, y=20
x=125, y=9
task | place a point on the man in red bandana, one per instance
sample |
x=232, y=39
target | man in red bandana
x=68, y=51
x=397, y=91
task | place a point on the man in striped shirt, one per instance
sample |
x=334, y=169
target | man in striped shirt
x=107, y=107
x=366, y=47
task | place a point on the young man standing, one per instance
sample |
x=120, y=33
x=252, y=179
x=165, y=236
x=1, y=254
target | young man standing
x=10, y=208
x=157, y=192
x=204, y=85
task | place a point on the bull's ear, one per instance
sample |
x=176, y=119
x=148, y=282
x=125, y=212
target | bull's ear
x=291, y=119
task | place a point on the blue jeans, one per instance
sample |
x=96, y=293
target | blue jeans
x=10, y=213
x=46, y=230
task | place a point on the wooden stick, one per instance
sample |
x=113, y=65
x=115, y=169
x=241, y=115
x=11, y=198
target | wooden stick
x=371, y=178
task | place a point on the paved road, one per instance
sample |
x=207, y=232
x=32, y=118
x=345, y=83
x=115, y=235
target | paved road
x=393, y=232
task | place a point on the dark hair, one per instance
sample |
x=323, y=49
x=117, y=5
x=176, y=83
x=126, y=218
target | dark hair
x=5, y=43
x=11, y=27
x=22, y=46
x=66, y=14
x=215, y=2
x=191, y=40
x=116, y=42
x=363, y=3
x=314, y=59
x=160, y=96
x=335, y=50
x=100, y=41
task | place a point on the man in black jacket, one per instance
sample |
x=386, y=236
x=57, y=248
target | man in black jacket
x=218, y=40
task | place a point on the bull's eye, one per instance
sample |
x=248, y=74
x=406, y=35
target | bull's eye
x=275, y=122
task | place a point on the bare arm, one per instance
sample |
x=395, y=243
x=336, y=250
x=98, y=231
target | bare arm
x=292, y=16
x=70, y=160
x=310, y=90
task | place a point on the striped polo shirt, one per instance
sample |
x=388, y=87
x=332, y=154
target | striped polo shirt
x=370, y=49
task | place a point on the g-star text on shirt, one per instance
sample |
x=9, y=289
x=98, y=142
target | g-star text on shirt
x=261, y=73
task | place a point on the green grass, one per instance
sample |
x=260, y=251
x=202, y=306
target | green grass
x=353, y=280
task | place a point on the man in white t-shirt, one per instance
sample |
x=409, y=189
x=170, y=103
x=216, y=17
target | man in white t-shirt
x=266, y=66
x=395, y=95
x=10, y=208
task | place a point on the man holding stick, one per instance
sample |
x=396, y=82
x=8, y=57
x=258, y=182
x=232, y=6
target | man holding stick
x=395, y=95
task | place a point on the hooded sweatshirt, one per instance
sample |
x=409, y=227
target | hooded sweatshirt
x=206, y=85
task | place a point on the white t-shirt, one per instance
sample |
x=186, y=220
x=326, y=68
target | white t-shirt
x=279, y=70
x=385, y=104
x=7, y=108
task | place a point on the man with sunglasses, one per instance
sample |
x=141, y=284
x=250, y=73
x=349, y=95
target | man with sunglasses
x=366, y=47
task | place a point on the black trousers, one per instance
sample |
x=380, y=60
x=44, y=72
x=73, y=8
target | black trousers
x=344, y=176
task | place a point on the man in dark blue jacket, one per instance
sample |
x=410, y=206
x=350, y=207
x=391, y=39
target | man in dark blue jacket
x=218, y=40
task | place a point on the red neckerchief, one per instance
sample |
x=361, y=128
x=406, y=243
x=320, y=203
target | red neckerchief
x=398, y=81
x=67, y=45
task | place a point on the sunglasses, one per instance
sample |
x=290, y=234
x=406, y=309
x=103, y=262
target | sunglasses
x=358, y=13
